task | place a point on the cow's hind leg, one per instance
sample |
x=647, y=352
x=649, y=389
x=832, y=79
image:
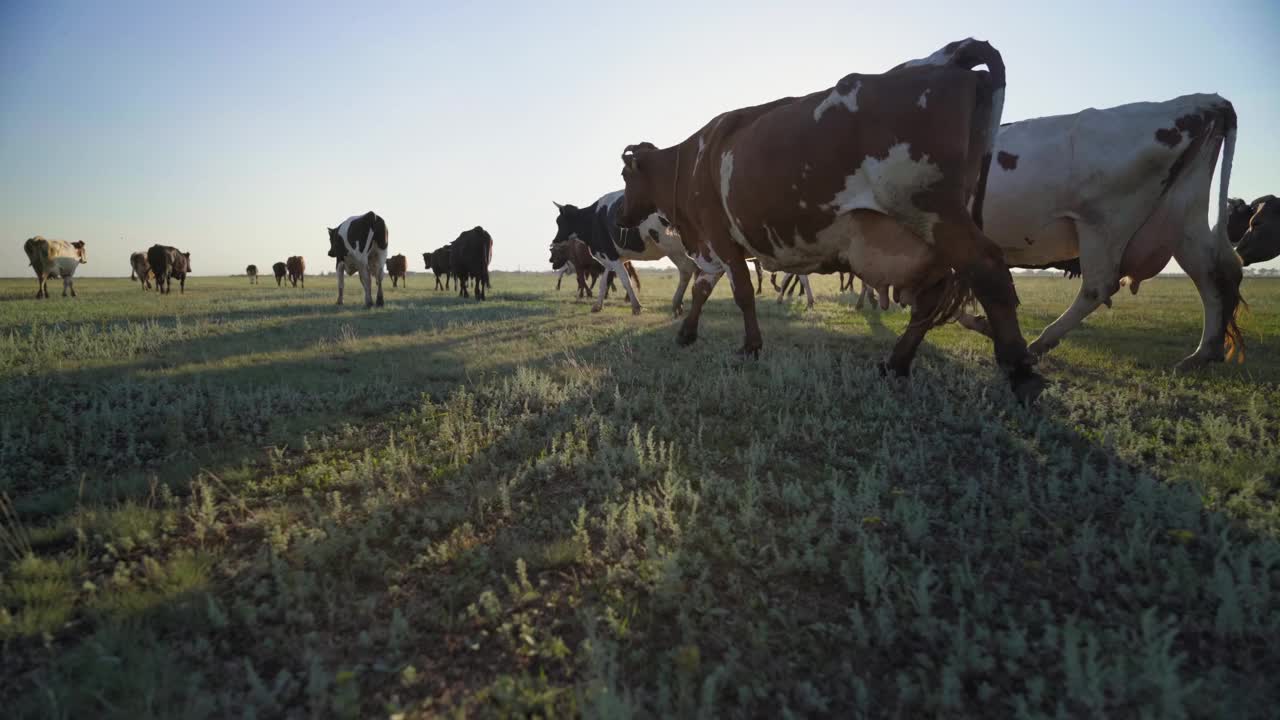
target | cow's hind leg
x=923, y=310
x=1215, y=269
x=759, y=277
x=744, y=294
x=980, y=265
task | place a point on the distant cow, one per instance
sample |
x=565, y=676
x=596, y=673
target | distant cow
x=1257, y=238
x=280, y=269
x=252, y=272
x=54, y=258
x=167, y=263
x=359, y=245
x=297, y=268
x=650, y=238
x=140, y=270
x=397, y=268
x=469, y=257
x=575, y=257
x=438, y=263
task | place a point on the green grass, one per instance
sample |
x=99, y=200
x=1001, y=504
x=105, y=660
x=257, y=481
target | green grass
x=246, y=501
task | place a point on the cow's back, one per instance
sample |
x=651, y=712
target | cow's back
x=160, y=257
x=1105, y=167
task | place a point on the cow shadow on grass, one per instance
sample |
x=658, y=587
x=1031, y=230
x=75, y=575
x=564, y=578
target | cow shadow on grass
x=1002, y=492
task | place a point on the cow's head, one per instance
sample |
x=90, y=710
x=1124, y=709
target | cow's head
x=186, y=261
x=1261, y=241
x=1238, y=214
x=639, y=199
x=337, y=248
x=80, y=252
x=559, y=255
x=571, y=222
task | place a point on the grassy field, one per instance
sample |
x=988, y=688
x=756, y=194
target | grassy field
x=247, y=502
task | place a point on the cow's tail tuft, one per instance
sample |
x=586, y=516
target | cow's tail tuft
x=957, y=291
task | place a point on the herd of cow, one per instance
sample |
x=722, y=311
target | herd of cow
x=905, y=179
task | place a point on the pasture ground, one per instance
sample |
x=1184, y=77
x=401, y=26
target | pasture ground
x=245, y=501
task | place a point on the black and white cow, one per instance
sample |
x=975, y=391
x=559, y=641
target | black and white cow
x=359, y=245
x=597, y=226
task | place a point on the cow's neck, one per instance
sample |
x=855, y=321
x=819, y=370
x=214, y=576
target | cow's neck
x=671, y=182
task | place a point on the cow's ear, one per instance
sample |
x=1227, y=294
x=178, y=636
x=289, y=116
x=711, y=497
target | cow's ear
x=558, y=205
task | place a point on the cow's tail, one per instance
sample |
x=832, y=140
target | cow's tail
x=1229, y=273
x=969, y=55
x=488, y=257
x=133, y=273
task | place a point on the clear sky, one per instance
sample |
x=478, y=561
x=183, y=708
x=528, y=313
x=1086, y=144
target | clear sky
x=240, y=130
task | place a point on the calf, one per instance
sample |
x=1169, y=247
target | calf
x=252, y=272
x=597, y=226
x=297, y=267
x=280, y=269
x=1122, y=189
x=359, y=245
x=140, y=270
x=169, y=262
x=438, y=263
x=469, y=258
x=54, y=258
x=397, y=268
x=874, y=175
x=1258, y=240
x=561, y=263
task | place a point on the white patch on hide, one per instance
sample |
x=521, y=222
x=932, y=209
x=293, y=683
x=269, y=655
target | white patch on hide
x=887, y=186
x=923, y=102
x=849, y=102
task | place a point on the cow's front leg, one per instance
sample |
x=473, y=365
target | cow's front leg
x=342, y=278
x=378, y=276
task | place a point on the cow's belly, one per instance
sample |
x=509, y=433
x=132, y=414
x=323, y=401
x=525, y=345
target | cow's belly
x=1053, y=242
x=63, y=267
x=875, y=246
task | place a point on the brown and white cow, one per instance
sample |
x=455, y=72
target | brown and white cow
x=252, y=272
x=140, y=270
x=1255, y=229
x=280, y=269
x=1123, y=189
x=297, y=267
x=54, y=258
x=397, y=268
x=874, y=175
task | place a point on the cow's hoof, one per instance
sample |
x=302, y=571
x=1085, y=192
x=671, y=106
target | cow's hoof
x=677, y=311
x=636, y=309
x=1039, y=348
x=887, y=370
x=746, y=353
x=684, y=339
x=379, y=303
x=809, y=306
x=1027, y=386
x=1191, y=363
x=596, y=308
